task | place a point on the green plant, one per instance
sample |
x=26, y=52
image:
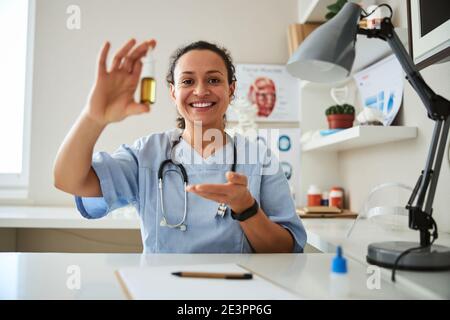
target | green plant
x=340, y=109
x=334, y=8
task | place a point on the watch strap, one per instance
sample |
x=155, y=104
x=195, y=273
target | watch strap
x=246, y=214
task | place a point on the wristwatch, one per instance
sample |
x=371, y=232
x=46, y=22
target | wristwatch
x=248, y=213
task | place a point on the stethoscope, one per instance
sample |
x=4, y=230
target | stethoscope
x=221, y=210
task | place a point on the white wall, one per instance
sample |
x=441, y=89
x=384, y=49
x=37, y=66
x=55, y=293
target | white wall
x=363, y=169
x=65, y=60
x=253, y=30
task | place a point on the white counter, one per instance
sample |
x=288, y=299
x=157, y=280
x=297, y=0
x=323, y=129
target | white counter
x=323, y=234
x=45, y=275
x=64, y=218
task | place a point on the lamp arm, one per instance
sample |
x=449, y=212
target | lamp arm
x=438, y=109
x=437, y=106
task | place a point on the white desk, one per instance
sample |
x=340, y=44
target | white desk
x=44, y=275
x=323, y=234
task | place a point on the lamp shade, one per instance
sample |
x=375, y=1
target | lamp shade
x=327, y=54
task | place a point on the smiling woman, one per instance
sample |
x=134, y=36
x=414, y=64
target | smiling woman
x=221, y=77
x=202, y=94
x=216, y=203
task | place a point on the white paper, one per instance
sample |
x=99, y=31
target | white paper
x=158, y=283
x=381, y=87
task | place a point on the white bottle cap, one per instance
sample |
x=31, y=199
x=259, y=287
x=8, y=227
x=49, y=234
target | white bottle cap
x=313, y=189
x=148, y=66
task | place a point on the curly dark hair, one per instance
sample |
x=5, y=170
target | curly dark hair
x=200, y=45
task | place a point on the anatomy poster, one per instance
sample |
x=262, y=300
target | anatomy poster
x=270, y=89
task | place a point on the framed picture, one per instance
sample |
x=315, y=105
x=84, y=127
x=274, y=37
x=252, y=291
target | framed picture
x=270, y=90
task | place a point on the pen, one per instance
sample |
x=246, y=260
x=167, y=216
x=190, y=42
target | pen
x=233, y=276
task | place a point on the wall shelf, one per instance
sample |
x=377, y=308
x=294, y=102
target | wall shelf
x=313, y=10
x=359, y=137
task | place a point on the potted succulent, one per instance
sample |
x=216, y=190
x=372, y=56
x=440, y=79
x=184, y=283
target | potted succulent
x=335, y=8
x=340, y=116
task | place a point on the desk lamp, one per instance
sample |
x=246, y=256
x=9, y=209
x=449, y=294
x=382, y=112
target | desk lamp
x=327, y=55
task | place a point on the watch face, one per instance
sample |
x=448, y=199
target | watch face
x=284, y=143
x=287, y=169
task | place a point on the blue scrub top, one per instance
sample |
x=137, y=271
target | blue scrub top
x=129, y=176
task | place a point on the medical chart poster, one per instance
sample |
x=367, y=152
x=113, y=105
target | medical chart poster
x=270, y=89
x=381, y=87
x=288, y=153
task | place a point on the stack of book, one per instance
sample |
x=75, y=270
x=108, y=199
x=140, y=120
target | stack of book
x=324, y=212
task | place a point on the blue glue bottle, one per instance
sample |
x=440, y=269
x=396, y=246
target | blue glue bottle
x=339, y=282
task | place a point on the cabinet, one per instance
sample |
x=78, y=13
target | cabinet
x=297, y=33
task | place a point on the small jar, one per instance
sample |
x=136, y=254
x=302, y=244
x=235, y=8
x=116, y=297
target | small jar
x=336, y=198
x=314, y=196
x=148, y=80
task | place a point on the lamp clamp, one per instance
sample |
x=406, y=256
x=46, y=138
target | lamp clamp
x=384, y=32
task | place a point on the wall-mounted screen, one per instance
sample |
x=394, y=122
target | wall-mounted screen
x=429, y=31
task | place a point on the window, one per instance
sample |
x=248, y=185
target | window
x=16, y=57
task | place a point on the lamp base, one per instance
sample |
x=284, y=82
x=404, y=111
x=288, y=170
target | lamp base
x=384, y=254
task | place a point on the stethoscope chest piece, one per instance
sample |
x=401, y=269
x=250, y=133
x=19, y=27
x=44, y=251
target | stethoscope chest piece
x=221, y=210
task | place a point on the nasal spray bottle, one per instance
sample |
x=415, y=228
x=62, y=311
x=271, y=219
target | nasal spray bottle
x=339, y=282
x=148, y=82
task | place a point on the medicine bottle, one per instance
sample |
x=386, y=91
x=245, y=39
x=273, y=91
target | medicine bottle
x=339, y=283
x=148, y=82
x=336, y=198
x=314, y=196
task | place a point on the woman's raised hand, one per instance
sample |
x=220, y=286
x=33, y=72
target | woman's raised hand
x=112, y=96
